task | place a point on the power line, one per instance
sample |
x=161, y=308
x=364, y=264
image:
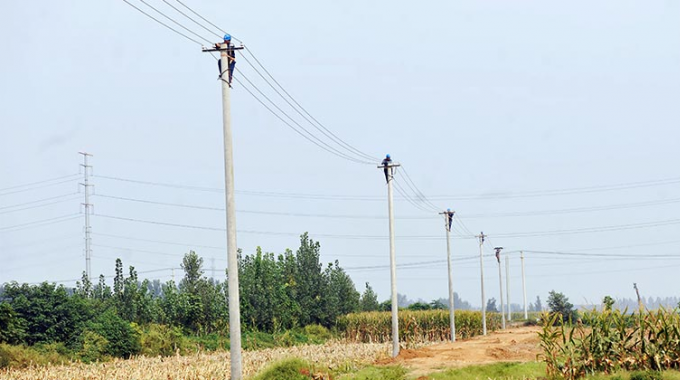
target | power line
x=568, y=191
x=581, y=254
x=39, y=223
x=162, y=23
x=303, y=112
x=308, y=136
x=175, y=22
x=38, y=182
x=38, y=187
x=254, y=232
x=190, y=18
x=37, y=206
x=42, y=241
x=204, y=19
x=310, y=215
x=38, y=201
x=161, y=242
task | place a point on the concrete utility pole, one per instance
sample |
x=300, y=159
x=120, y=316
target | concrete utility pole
x=448, y=217
x=393, y=261
x=524, y=288
x=507, y=286
x=500, y=283
x=232, y=260
x=481, y=268
x=88, y=240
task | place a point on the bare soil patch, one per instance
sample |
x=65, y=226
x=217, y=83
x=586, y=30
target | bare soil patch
x=518, y=344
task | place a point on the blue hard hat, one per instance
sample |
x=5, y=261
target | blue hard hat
x=448, y=209
x=388, y=156
x=227, y=37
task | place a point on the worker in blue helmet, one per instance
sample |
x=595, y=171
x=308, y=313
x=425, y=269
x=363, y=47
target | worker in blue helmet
x=449, y=217
x=386, y=163
x=230, y=53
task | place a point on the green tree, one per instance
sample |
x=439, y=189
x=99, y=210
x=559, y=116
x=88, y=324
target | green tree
x=310, y=282
x=11, y=329
x=491, y=306
x=341, y=296
x=538, y=306
x=369, y=300
x=608, y=303
x=122, y=339
x=47, y=314
x=559, y=303
x=419, y=306
x=439, y=305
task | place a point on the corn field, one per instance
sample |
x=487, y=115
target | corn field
x=609, y=341
x=414, y=326
x=204, y=366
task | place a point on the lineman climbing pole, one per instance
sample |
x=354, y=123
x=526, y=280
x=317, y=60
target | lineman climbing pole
x=481, y=268
x=448, y=215
x=225, y=49
x=88, y=240
x=393, y=265
x=500, y=283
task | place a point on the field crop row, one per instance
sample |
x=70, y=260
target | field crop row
x=203, y=366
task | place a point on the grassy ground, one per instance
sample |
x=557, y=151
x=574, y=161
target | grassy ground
x=296, y=369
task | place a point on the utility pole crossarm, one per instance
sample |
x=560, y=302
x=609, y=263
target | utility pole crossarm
x=221, y=48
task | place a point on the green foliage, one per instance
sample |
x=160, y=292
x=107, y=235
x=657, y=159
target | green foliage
x=647, y=375
x=11, y=329
x=491, y=306
x=123, y=339
x=163, y=340
x=559, y=304
x=369, y=300
x=94, y=346
x=414, y=326
x=45, y=313
x=506, y=371
x=289, y=369
x=377, y=373
x=22, y=356
x=608, y=303
x=419, y=306
x=610, y=341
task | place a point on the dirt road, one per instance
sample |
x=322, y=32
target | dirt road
x=512, y=345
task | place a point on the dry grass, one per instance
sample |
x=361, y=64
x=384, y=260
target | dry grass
x=204, y=366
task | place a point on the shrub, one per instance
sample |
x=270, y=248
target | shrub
x=123, y=338
x=94, y=346
x=162, y=340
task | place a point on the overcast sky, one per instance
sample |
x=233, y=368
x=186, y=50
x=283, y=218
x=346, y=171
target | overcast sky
x=550, y=126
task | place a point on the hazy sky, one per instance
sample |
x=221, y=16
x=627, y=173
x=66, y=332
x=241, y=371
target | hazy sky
x=497, y=109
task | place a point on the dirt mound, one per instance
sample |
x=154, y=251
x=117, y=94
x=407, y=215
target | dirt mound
x=511, y=345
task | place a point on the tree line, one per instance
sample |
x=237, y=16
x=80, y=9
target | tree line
x=278, y=292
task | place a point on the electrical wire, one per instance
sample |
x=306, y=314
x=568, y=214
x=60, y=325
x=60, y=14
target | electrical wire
x=38, y=187
x=306, y=215
x=38, y=206
x=175, y=22
x=190, y=18
x=204, y=19
x=307, y=134
x=37, y=201
x=303, y=112
x=39, y=223
x=162, y=23
x=38, y=182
